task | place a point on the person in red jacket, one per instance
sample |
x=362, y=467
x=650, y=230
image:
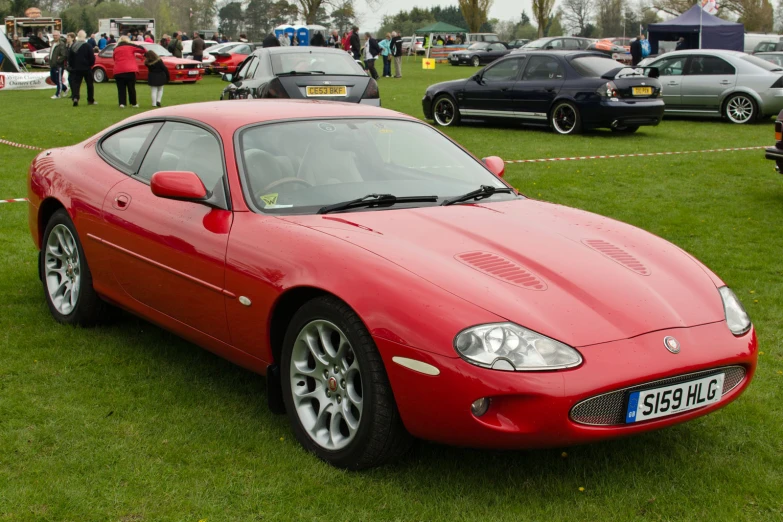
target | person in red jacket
x=125, y=69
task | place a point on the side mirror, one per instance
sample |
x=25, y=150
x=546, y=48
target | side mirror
x=495, y=165
x=227, y=77
x=549, y=47
x=186, y=186
x=477, y=78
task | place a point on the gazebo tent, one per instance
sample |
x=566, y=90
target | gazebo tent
x=440, y=27
x=716, y=33
x=7, y=56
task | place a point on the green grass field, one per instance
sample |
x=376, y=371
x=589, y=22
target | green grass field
x=128, y=423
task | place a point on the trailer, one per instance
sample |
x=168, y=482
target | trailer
x=23, y=27
x=117, y=27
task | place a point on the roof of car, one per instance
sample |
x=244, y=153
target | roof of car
x=301, y=49
x=719, y=52
x=769, y=53
x=230, y=115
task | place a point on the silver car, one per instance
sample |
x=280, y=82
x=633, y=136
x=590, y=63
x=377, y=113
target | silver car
x=730, y=84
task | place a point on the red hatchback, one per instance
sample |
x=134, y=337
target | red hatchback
x=388, y=283
x=180, y=69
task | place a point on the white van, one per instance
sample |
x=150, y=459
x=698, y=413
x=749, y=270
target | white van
x=753, y=39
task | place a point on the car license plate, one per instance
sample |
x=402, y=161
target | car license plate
x=327, y=90
x=642, y=91
x=676, y=398
x=193, y=73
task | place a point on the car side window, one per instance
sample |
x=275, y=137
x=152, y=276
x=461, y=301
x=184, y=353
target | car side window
x=543, y=68
x=496, y=47
x=673, y=66
x=241, y=49
x=504, y=71
x=709, y=65
x=557, y=43
x=247, y=69
x=107, y=52
x=570, y=43
x=123, y=147
x=184, y=147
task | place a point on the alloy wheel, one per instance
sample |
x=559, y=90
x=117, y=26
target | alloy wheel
x=740, y=109
x=62, y=269
x=326, y=385
x=476, y=62
x=444, y=112
x=564, y=118
x=98, y=76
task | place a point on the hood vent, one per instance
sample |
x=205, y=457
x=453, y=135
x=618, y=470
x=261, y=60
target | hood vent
x=502, y=268
x=617, y=254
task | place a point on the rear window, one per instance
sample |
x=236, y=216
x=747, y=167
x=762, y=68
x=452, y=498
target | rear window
x=755, y=60
x=314, y=62
x=593, y=66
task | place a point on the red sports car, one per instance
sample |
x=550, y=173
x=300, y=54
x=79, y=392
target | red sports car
x=180, y=69
x=229, y=57
x=387, y=283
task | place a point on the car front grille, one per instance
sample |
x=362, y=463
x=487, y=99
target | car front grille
x=608, y=409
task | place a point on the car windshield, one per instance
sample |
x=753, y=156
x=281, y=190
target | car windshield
x=478, y=45
x=593, y=66
x=759, y=62
x=315, y=62
x=537, y=44
x=301, y=166
x=158, y=49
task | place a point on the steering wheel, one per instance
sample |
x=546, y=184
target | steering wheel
x=284, y=181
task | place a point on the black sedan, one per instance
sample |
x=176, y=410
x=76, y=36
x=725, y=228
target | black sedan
x=479, y=53
x=569, y=90
x=776, y=153
x=313, y=73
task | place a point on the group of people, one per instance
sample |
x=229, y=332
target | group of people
x=75, y=54
x=389, y=49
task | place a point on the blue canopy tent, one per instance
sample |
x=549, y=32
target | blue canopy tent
x=716, y=33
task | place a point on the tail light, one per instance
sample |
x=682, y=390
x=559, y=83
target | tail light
x=371, y=92
x=779, y=130
x=608, y=90
x=778, y=84
x=276, y=90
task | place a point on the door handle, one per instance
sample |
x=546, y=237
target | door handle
x=550, y=89
x=725, y=82
x=504, y=89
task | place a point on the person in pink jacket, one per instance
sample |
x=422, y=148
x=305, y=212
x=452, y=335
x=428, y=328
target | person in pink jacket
x=125, y=69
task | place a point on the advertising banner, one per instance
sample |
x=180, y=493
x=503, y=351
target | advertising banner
x=24, y=81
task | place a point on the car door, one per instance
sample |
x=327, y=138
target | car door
x=107, y=61
x=490, y=93
x=143, y=71
x=541, y=80
x=671, y=70
x=705, y=81
x=494, y=51
x=170, y=255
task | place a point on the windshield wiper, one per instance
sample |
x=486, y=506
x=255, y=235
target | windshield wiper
x=295, y=73
x=375, y=200
x=484, y=192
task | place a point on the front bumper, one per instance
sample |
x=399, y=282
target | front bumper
x=624, y=112
x=426, y=106
x=459, y=60
x=534, y=409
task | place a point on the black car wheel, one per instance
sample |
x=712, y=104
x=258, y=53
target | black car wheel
x=565, y=118
x=475, y=61
x=625, y=129
x=444, y=111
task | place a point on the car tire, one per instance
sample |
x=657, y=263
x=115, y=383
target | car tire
x=740, y=108
x=66, y=277
x=445, y=111
x=98, y=75
x=625, y=129
x=475, y=61
x=565, y=119
x=349, y=379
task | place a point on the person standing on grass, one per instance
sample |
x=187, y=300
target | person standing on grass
x=125, y=69
x=385, y=46
x=356, y=46
x=636, y=50
x=197, y=47
x=90, y=41
x=396, y=52
x=102, y=42
x=175, y=47
x=371, y=52
x=158, y=76
x=58, y=54
x=81, y=58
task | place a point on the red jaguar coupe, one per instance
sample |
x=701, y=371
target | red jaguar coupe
x=180, y=69
x=388, y=284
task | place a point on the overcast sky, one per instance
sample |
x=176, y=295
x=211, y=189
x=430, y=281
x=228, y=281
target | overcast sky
x=371, y=19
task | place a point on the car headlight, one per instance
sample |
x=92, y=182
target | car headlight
x=737, y=318
x=180, y=66
x=510, y=347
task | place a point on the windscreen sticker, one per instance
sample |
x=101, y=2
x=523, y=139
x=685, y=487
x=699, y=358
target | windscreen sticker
x=327, y=127
x=269, y=199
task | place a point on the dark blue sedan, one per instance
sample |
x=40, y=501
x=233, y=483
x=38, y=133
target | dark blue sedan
x=569, y=90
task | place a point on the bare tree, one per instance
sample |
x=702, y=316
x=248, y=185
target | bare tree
x=475, y=12
x=757, y=15
x=542, y=12
x=577, y=14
